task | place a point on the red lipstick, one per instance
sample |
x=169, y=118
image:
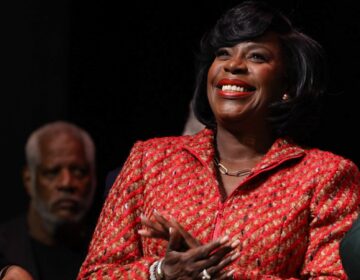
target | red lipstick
x=234, y=88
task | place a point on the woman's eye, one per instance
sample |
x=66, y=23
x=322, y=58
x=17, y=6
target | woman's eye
x=257, y=57
x=221, y=53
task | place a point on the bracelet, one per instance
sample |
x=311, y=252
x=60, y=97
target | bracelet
x=152, y=270
x=155, y=270
x=159, y=271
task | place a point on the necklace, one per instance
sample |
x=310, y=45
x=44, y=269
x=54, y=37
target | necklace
x=225, y=171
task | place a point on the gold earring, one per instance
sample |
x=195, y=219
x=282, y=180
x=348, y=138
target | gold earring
x=285, y=97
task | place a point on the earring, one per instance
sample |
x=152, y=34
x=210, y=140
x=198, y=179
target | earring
x=285, y=97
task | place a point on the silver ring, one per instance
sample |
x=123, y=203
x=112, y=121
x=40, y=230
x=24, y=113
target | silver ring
x=205, y=275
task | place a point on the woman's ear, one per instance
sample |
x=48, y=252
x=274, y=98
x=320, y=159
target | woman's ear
x=285, y=97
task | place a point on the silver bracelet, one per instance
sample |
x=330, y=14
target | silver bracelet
x=152, y=270
x=159, y=270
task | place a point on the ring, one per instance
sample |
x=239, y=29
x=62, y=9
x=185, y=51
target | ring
x=205, y=275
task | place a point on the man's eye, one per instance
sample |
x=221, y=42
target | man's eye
x=80, y=172
x=50, y=173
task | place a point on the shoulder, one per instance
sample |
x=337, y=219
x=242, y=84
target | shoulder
x=333, y=170
x=328, y=159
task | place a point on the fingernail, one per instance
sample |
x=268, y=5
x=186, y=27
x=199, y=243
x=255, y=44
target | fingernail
x=155, y=211
x=235, y=256
x=230, y=273
x=141, y=231
x=224, y=239
x=171, y=230
x=235, y=243
x=142, y=216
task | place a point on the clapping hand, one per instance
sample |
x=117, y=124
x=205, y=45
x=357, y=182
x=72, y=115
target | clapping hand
x=186, y=257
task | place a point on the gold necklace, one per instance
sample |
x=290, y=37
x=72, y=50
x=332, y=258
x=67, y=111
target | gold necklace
x=225, y=171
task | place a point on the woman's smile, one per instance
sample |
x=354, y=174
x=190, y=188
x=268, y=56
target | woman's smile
x=234, y=89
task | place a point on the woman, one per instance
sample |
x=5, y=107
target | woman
x=240, y=199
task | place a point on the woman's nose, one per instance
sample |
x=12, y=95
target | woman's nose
x=235, y=66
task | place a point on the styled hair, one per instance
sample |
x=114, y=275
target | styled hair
x=305, y=64
x=32, y=147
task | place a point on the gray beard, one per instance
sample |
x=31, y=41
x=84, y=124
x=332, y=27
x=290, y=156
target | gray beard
x=51, y=221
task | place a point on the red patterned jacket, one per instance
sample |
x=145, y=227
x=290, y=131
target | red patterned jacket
x=289, y=213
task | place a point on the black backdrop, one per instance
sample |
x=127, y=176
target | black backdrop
x=125, y=72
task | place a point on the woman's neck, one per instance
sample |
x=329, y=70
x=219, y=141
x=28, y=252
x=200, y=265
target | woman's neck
x=239, y=147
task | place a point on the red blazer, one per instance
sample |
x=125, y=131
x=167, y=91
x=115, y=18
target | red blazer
x=289, y=213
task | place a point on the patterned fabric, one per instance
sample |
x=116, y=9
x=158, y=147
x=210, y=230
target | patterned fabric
x=289, y=213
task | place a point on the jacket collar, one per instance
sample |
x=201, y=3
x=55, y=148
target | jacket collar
x=201, y=145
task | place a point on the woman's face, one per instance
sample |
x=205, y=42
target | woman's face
x=245, y=78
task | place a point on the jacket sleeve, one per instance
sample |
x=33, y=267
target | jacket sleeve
x=115, y=251
x=334, y=207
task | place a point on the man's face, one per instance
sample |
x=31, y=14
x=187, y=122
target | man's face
x=61, y=188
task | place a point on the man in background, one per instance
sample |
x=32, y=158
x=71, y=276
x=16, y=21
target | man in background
x=51, y=239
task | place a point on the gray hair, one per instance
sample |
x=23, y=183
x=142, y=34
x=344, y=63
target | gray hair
x=32, y=149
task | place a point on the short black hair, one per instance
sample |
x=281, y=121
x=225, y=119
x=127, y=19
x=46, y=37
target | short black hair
x=304, y=59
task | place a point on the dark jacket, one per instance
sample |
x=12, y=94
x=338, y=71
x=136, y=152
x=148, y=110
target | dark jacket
x=15, y=245
x=350, y=251
x=43, y=262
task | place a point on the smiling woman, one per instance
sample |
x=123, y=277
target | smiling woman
x=241, y=199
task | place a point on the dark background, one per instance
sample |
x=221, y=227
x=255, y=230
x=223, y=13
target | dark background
x=124, y=71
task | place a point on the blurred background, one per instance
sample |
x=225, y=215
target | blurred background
x=124, y=72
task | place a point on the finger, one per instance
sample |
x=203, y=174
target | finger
x=225, y=249
x=187, y=240
x=218, y=259
x=175, y=240
x=152, y=234
x=147, y=222
x=162, y=221
x=204, y=251
x=190, y=240
x=218, y=268
x=154, y=229
x=226, y=275
x=216, y=262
